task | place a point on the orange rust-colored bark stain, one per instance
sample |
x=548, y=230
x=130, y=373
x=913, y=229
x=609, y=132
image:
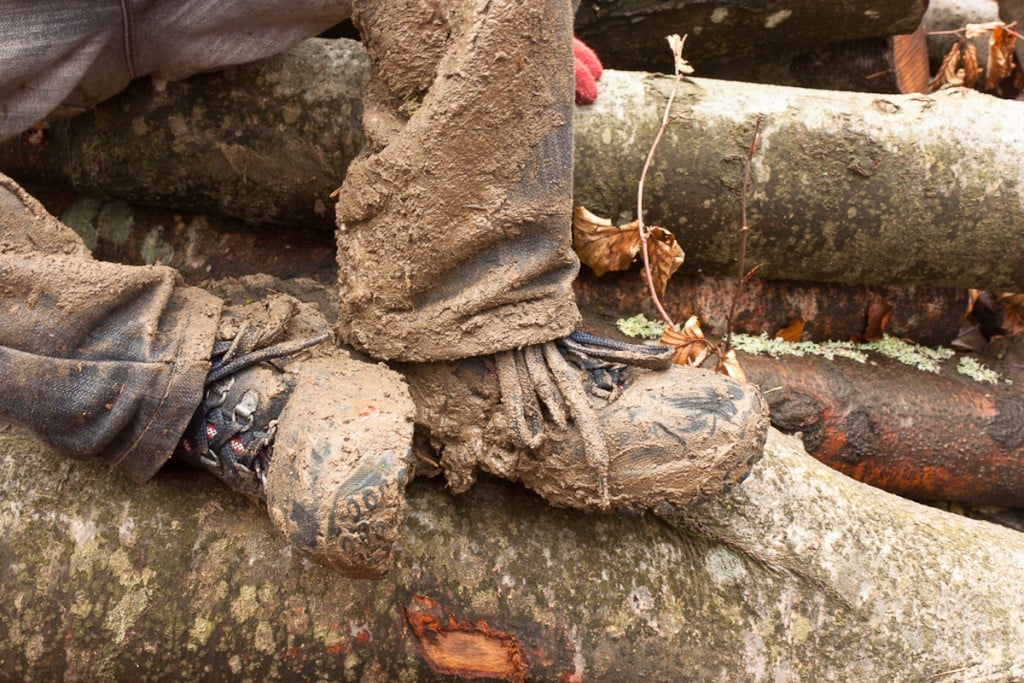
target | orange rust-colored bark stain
x=467, y=649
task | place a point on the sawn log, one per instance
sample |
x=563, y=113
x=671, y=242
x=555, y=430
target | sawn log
x=847, y=187
x=800, y=573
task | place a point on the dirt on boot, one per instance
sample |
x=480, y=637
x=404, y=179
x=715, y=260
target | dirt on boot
x=336, y=432
x=672, y=438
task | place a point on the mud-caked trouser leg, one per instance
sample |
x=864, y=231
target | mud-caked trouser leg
x=454, y=243
x=127, y=364
x=454, y=225
x=100, y=360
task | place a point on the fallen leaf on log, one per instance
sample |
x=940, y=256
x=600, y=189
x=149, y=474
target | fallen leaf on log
x=665, y=255
x=878, y=317
x=950, y=73
x=689, y=343
x=971, y=69
x=601, y=246
x=1013, y=313
x=605, y=247
x=793, y=332
x=1000, y=56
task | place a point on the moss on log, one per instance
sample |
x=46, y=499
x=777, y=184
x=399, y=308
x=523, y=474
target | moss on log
x=798, y=574
x=852, y=188
x=266, y=142
x=846, y=187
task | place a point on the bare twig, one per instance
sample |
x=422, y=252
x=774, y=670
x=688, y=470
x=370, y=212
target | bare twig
x=742, y=276
x=682, y=69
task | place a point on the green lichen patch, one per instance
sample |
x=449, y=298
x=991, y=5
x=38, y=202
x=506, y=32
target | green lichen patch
x=641, y=326
x=924, y=358
x=768, y=346
x=978, y=371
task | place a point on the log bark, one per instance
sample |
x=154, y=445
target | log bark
x=923, y=435
x=267, y=142
x=631, y=35
x=927, y=315
x=847, y=188
x=798, y=574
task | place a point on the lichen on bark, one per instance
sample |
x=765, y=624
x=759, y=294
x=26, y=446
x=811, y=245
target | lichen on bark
x=799, y=573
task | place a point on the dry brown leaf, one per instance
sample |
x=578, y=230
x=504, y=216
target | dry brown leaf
x=665, y=255
x=949, y=74
x=675, y=43
x=1013, y=313
x=602, y=246
x=1000, y=56
x=977, y=30
x=792, y=332
x=878, y=317
x=691, y=348
x=971, y=69
x=732, y=367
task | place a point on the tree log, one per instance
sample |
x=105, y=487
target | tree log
x=628, y=34
x=918, y=434
x=927, y=315
x=266, y=142
x=800, y=573
x=847, y=187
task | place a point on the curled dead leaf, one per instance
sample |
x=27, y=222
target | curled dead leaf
x=1013, y=313
x=949, y=75
x=691, y=348
x=675, y=43
x=601, y=246
x=878, y=317
x=665, y=255
x=971, y=69
x=1000, y=56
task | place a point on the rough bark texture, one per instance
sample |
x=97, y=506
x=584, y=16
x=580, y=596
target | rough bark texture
x=847, y=188
x=267, y=142
x=798, y=574
x=927, y=436
x=926, y=315
x=625, y=32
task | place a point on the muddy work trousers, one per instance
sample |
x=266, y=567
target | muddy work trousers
x=99, y=359
x=454, y=232
x=454, y=236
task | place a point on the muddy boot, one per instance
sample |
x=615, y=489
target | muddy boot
x=590, y=423
x=321, y=438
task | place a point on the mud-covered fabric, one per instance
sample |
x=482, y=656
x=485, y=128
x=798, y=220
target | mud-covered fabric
x=454, y=226
x=59, y=57
x=98, y=359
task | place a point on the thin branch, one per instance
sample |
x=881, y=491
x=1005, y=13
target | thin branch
x=742, y=275
x=681, y=71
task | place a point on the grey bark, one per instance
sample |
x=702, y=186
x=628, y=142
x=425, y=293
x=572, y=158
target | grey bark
x=847, y=187
x=799, y=574
x=267, y=142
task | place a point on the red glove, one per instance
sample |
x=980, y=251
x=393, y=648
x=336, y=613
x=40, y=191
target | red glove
x=588, y=71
